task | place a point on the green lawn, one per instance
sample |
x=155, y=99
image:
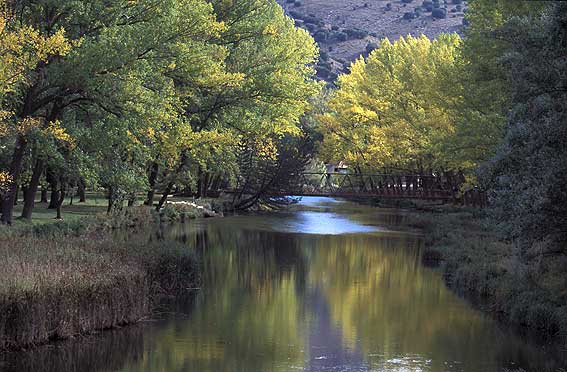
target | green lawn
x=96, y=203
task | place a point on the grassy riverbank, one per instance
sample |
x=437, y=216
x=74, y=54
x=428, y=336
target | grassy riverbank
x=53, y=289
x=519, y=287
x=66, y=278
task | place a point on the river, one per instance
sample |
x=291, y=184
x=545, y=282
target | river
x=326, y=286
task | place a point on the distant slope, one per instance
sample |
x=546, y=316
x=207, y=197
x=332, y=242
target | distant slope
x=346, y=29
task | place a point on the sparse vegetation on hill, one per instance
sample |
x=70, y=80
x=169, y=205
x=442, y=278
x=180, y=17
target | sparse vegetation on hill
x=344, y=30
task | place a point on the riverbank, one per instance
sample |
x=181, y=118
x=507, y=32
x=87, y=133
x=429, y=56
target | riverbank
x=477, y=262
x=52, y=289
x=68, y=278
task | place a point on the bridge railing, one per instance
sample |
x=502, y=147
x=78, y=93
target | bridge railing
x=404, y=186
x=394, y=185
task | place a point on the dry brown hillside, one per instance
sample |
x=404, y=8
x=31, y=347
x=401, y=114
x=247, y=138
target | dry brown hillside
x=346, y=29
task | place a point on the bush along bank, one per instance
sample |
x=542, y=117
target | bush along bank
x=526, y=288
x=56, y=289
x=182, y=211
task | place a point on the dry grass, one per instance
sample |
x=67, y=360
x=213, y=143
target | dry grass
x=51, y=289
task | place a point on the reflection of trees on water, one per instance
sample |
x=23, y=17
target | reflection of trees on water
x=327, y=350
x=274, y=301
x=246, y=318
x=400, y=314
x=110, y=351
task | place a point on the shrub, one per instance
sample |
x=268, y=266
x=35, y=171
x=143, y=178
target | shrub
x=356, y=33
x=439, y=13
x=311, y=27
x=370, y=47
x=409, y=16
x=339, y=36
x=321, y=36
x=295, y=14
x=323, y=72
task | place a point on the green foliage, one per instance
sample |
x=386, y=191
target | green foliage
x=486, y=99
x=529, y=171
x=132, y=84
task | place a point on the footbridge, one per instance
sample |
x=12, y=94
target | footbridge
x=395, y=186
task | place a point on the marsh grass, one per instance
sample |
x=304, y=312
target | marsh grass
x=58, y=288
x=528, y=288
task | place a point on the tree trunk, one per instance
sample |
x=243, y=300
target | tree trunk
x=31, y=190
x=15, y=170
x=54, y=196
x=44, y=195
x=53, y=184
x=17, y=195
x=152, y=182
x=81, y=191
x=166, y=193
x=169, y=187
x=110, y=200
x=201, y=181
x=60, y=201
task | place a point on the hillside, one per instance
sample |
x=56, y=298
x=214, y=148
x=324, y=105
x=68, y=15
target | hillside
x=346, y=29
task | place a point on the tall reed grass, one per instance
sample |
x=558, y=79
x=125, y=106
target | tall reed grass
x=56, y=288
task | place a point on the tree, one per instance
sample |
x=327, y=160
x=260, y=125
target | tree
x=395, y=110
x=259, y=97
x=134, y=95
x=486, y=98
x=24, y=51
x=529, y=172
x=122, y=50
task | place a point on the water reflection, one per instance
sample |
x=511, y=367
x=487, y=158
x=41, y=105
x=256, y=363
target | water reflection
x=316, y=301
x=307, y=222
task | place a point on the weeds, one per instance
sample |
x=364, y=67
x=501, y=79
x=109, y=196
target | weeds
x=524, y=288
x=57, y=288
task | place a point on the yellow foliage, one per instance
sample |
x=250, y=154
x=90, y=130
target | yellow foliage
x=56, y=131
x=270, y=30
x=394, y=109
x=266, y=149
x=28, y=124
x=4, y=128
x=22, y=48
x=5, y=181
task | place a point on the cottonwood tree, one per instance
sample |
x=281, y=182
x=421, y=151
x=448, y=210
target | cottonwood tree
x=395, y=111
x=115, y=72
x=261, y=93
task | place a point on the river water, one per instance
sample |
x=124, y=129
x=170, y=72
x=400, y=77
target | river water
x=327, y=286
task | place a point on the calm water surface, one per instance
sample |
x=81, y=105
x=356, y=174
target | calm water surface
x=328, y=286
